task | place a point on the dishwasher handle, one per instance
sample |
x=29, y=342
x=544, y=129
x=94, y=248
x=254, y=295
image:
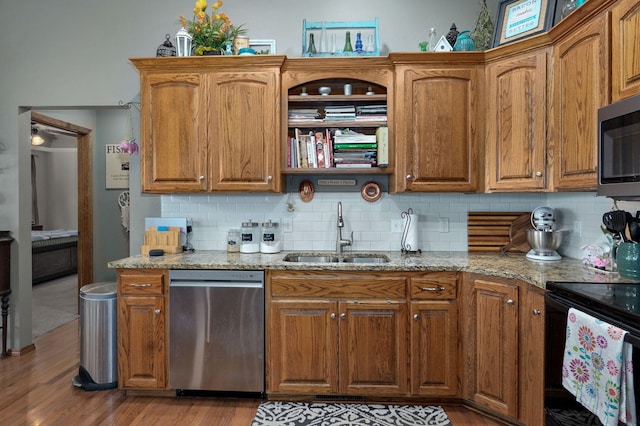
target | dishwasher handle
x=218, y=284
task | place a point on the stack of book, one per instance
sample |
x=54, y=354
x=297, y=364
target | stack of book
x=340, y=113
x=310, y=150
x=371, y=113
x=354, y=150
x=304, y=114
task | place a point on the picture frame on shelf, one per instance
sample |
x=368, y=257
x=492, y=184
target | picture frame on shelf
x=263, y=47
x=519, y=19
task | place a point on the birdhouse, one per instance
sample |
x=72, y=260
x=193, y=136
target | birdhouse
x=443, y=45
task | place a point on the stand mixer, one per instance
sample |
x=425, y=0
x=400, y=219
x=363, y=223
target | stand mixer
x=544, y=239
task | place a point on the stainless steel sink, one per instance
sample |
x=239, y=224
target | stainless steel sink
x=335, y=258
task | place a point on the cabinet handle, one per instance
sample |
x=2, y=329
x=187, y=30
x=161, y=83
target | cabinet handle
x=432, y=288
x=539, y=174
x=139, y=285
x=201, y=178
x=416, y=317
x=333, y=315
x=537, y=312
x=510, y=302
x=157, y=311
x=409, y=177
x=343, y=316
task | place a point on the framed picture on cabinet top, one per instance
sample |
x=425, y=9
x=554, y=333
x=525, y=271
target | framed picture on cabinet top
x=263, y=47
x=519, y=19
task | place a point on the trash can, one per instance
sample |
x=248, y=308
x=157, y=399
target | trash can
x=98, y=338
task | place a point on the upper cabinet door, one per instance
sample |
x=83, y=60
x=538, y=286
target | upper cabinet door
x=437, y=128
x=244, y=131
x=625, y=49
x=173, y=135
x=581, y=86
x=517, y=123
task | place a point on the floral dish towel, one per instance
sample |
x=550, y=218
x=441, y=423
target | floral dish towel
x=598, y=368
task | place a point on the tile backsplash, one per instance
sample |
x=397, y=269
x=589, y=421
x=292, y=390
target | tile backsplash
x=312, y=225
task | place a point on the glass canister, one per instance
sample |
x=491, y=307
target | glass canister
x=233, y=240
x=250, y=240
x=270, y=240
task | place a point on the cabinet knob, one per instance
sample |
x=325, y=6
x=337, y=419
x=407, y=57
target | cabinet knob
x=269, y=178
x=409, y=177
x=416, y=317
x=332, y=316
x=538, y=174
x=343, y=315
x=201, y=178
x=510, y=302
x=157, y=311
x=537, y=312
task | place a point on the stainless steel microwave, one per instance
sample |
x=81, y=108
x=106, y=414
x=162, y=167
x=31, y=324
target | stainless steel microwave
x=619, y=149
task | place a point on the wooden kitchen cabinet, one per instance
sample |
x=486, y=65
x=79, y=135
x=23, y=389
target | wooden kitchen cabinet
x=434, y=334
x=625, y=49
x=336, y=333
x=173, y=156
x=581, y=86
x=531, y=354
x=142, y=328
x=439, y=122
x=490, y=330
x=210, y=124
x=244, y=129
x=516, y=143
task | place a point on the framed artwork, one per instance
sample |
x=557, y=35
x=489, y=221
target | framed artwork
x=117, y=167
x=263, y=47
x=518, y=19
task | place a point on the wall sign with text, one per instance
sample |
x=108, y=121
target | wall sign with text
x=117, y=167
x=518, y=19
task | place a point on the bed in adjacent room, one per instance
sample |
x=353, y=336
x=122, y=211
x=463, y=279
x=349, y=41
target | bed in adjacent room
x=54, y=254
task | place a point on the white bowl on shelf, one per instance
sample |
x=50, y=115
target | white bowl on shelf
x=324, y=90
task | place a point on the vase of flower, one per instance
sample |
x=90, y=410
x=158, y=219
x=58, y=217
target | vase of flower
x=210, y=32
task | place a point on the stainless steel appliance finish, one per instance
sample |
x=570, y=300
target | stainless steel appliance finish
x=619, y=149
x=216, y=330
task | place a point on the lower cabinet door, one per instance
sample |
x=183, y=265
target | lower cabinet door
x=141, y=343
x=373, y=348
x=303, y=347
x=434, y=354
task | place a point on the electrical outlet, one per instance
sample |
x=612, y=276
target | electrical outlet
x=577, y=228
x=444, y=224
x=287, y=225
x=397, y=225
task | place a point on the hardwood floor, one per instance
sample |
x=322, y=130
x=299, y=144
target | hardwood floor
x=36, y=389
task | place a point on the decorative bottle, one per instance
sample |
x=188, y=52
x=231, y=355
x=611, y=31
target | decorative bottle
x=433, y=39
x=311, y=49
x=568, y=7
x=347, y=43
x=359, y=43
x=323, y=38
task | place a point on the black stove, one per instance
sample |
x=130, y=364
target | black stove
x=619, y=301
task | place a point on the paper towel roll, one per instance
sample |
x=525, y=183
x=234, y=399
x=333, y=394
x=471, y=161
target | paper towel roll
x=410, y=233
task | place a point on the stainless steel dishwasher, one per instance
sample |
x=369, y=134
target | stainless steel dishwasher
x=216, y=331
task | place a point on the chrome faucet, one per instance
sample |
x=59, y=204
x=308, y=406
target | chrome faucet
x=341, y=242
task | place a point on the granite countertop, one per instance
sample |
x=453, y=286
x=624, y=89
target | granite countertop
x=512, y=265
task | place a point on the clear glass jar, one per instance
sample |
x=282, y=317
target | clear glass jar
x=270, y=240
x=250, y=242
x=233, y=240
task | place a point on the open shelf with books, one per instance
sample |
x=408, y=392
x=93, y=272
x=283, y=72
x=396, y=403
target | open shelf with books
x=337, y=126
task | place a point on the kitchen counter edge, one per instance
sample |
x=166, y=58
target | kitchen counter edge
x=511, y=265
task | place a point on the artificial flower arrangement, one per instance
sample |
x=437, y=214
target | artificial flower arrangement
x=210, y=32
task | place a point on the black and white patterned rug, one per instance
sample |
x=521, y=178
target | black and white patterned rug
x=276, y=413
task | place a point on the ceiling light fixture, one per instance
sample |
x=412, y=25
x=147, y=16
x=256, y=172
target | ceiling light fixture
x=36, y=139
